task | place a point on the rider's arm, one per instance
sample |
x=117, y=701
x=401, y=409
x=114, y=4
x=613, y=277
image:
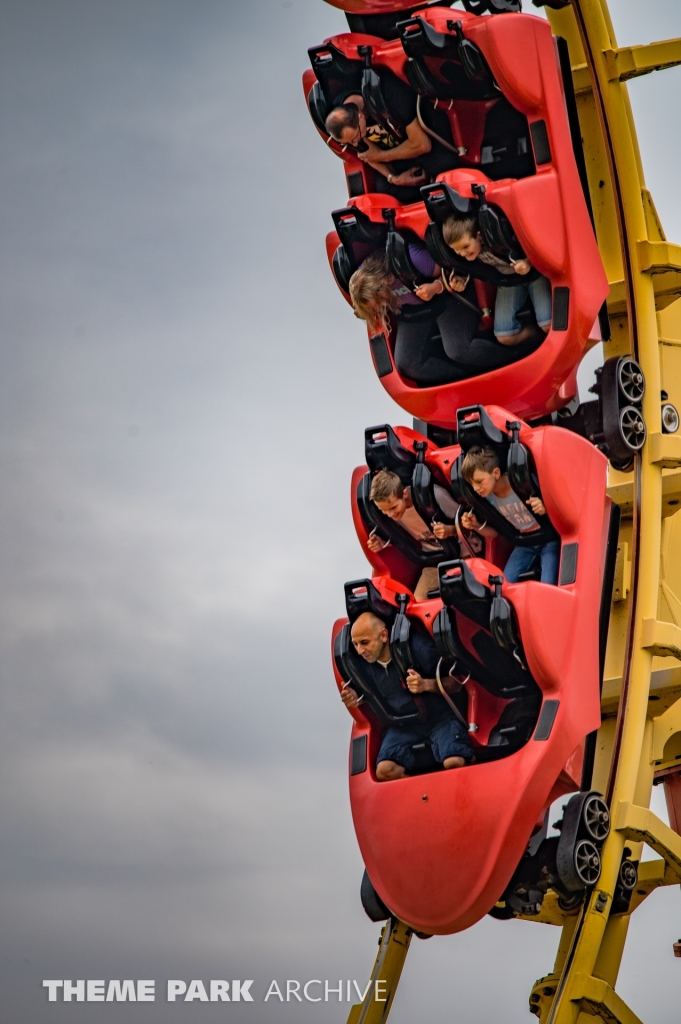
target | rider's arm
x=416, y=144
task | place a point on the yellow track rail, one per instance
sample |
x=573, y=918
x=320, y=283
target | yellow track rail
x=641, y=730
x=644, y=271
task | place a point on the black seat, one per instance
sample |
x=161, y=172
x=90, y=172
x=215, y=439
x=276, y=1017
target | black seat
x=443, y=201
x=499, y=671
x=397, y=250
x=374, y=100
x=351, y=668
x=506, y=151
x=460, y=589
x=335, y=74
x=502, y=621
x=496, y=229
x=362, y=596
x=513, y=729
x=521, y=470
x=476, y=429
x=490, y=665
x=517, y=720
x=444, y=65
x=318, y=107
x=425, y=501
x=359, y=237
x=496, y=666
x=384, y=450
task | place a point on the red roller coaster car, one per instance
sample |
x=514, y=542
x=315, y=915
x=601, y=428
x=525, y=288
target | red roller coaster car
x=537, y=186
x=441, y=848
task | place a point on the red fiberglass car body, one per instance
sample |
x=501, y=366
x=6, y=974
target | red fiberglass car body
x=547, y=210
x=440, y=848
x=443, y=848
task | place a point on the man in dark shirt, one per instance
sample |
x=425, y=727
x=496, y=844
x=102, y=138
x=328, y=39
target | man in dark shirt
x=405, y=157
x=438, y=724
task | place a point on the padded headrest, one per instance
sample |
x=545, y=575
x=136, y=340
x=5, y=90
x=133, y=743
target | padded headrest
x=353, y=225
x=375, y=103
x=362, y=596
x=343, y=266
x=318, y=107
x=419, y=37
x=521, y=471
x=475, y=429
x=442, y=201
x=495, y=226
x=397, y=249
x=329, y=63
x=384, y=450
x=457, y=581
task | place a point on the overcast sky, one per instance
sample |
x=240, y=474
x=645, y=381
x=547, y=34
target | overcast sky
x=184, y=395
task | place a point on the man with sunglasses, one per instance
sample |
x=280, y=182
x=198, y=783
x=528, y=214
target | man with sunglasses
x=403, y=158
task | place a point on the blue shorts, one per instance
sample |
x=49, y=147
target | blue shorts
x=447, y=738
x=510, y=300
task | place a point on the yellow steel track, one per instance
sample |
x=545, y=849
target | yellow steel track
x=641, y=730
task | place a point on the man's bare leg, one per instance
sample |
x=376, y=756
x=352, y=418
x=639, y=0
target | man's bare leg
x=387, y=771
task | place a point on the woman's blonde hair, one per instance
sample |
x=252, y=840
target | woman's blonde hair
x=370, y=292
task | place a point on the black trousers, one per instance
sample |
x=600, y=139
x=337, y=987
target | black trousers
x=459, y=352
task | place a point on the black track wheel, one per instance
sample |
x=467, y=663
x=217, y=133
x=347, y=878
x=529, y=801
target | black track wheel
x=584, y=821
x=595, y=818
x=621, y=387
x=628, y=876
x=580, y=866
x=632, y=428
x=631, y=381
x=587, y=862
x=374, y=907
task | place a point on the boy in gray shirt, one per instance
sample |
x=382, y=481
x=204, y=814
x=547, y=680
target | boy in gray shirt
x=481, y=470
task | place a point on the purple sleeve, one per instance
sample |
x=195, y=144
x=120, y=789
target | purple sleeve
x=422, y=260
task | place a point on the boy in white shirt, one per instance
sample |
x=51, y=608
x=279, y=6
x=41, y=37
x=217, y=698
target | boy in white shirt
x=394, y=500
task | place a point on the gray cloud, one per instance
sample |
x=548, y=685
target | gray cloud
x=183, y=399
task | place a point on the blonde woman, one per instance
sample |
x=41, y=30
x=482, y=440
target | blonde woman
x=421, y=313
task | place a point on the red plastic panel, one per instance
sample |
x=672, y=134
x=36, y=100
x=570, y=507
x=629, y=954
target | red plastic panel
x=547, y=211
x=371, y=6
x=467, y=829
x=557, y=235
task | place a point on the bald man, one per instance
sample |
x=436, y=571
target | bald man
x=401, y=165
x=446, y=733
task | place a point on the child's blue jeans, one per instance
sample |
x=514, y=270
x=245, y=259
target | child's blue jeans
x=523, y=559
x=510, y=300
